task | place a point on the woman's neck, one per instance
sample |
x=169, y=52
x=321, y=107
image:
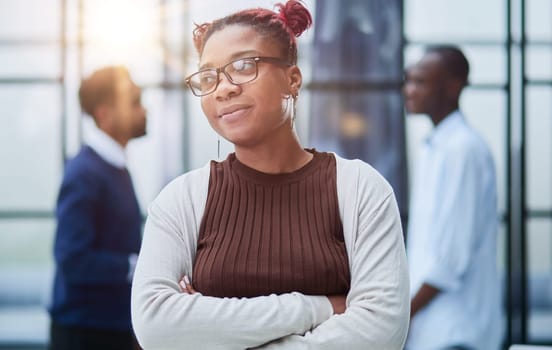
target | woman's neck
x=284, y=158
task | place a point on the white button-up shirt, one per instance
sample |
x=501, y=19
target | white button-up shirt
x=451, y=241
x=107, y=148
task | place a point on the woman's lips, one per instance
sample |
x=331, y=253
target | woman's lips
x=234, y=113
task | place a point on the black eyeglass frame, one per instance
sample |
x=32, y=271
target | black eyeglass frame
x=222, y=69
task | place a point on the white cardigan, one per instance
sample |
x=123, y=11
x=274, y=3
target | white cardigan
x=378, y=302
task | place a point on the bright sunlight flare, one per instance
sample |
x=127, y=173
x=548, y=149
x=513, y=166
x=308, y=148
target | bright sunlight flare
x=122, y=29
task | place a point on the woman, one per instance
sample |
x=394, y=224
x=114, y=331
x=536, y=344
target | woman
x=286, y=248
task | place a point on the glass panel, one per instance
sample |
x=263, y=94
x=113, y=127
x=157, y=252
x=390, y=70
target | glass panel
x=177, y=37
x=73, y=118
x=302, y=120
x=72, y=21
x=175, y=17
x=203, y=140
x=124, y=32
x=453, y=20
x=33, y=62
x=175, y=66
x=157, y=158
x=368, y=125
x=538, y=19
x=30, y=19
x=31, y=165
x=26, y=272
x=412, y=54
x=418, y=127
x=502, y=266
x=487, y=63
x=539, y=143
x=485, y=110
x=357, y=40
x=501, y=257
x=26, y=242
x=121, y=24
x=145, y=62
x=539, y=62
x=539, y=255
x=24, y=327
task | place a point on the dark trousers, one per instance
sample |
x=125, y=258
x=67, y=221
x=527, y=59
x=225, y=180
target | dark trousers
x=76, y=338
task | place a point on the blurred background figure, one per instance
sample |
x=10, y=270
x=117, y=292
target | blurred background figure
x=98, y=222
x=452, y=228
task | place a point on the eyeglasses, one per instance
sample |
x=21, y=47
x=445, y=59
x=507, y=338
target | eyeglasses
x=240, y=71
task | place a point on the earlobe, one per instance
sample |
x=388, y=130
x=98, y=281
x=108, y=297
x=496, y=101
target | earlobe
x=295, y=81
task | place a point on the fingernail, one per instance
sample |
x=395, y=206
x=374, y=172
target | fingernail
x=186, y=279
x=182, y=284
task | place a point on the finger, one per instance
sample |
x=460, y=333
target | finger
x=183, y=286
x=188, y=284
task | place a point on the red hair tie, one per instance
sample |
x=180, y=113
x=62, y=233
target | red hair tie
x=283, y=19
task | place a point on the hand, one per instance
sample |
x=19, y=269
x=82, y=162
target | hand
x=423, y=296
x=338, y=303
x=186, y=285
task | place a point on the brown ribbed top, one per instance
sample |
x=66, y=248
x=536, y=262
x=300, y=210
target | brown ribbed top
x=263, y=233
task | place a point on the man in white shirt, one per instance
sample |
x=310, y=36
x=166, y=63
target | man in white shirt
x=451, y=238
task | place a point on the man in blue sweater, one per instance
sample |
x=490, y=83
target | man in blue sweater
x=98, y=222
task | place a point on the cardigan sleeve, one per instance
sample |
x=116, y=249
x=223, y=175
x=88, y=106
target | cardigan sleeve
x=377, y=313
x=165, y=318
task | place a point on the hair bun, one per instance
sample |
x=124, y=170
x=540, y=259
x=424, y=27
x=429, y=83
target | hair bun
x=198, y=35
x=295, y=16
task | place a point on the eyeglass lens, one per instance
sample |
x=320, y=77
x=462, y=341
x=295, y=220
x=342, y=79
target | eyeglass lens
x=239, y=71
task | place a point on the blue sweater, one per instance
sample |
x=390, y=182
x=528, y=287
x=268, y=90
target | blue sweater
x=98, y=227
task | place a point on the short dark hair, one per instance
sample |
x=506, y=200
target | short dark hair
x=454, y=61
x=100, y=87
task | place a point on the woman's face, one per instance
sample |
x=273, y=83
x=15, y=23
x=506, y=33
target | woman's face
x=257, y=111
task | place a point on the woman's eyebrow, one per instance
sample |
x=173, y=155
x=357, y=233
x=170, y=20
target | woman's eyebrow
x=235, y=55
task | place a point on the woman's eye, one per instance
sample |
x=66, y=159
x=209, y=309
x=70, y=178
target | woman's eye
x=208, y=78
x=243, y=65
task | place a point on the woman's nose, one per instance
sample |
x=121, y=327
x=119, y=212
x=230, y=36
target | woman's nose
x=225, y=87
